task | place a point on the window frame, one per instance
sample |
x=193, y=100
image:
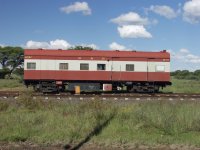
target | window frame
x=29, y=65
x=104, y=67
x=81, y=67
x=63, y=68
x=128, y=68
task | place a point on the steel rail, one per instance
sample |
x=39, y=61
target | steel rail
x=107, y=96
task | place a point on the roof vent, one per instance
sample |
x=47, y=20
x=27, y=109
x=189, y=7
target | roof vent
x=164, y=51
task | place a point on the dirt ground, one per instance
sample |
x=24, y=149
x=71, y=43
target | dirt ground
x=30, y=146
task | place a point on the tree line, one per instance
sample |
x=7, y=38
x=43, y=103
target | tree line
x=12, y=62
x=186, y=74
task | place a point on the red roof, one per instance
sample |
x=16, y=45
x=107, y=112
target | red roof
x=96, y=53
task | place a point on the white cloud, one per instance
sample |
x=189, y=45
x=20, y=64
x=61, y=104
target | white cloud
x=186, y=56
x=192, y=59
x=184, y=50
x=130, y=18
x=54, y=44
x=116, y=46
x=94, y=46
x=184, y=60
x=77, y=7
x=133, y=31
x=57, y=44
x=192, y=11
x=131, y=25
x=164, y=10
x=35, y=44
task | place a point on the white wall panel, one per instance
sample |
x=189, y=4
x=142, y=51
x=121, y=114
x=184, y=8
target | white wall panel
x=152, y=66
x=140, y=66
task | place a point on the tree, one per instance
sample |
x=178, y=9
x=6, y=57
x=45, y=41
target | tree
x=197, y=73
x=11, y=58
x=175, y=73
x=186, y=74
x=81, y=48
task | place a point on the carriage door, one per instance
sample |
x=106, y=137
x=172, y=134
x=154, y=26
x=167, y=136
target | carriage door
x=115, y=69
x=48, y=67
x=150, y=69
x=112, y=74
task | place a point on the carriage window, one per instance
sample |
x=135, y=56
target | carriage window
x=160, y=68
x=101, y=66
x=129, y=67
x=63, y=66
x=84, y=66
x=31, y=66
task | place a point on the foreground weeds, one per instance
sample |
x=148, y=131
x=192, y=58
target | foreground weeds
x=9, y=83
x=169, y=118
x=3, y=106
x=27, y=101
x=153, y=123
x=97, y=121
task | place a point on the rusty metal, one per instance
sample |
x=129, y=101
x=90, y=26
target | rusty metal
x=9, y=93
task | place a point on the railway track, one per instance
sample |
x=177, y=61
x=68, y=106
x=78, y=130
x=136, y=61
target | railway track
x=105, y=96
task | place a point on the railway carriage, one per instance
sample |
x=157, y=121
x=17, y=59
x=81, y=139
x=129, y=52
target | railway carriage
x=94, y=70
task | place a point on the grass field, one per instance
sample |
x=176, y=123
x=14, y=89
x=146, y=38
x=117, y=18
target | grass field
x=183, y=86
x=8, y=84
x=107, y=123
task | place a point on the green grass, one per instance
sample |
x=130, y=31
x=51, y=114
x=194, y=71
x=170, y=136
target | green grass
x=148, y=123
x=8, y=83
x=153, y=123
x=183, y=86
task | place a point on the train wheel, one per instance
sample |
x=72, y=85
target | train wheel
x=36, y=88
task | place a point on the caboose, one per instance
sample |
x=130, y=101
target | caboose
x=93, y=70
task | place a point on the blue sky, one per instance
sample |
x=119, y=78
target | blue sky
x=148, y=25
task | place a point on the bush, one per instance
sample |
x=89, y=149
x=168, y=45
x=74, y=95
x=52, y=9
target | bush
x=19, y=71
x=4, y=72
x=191, y=77
x=15, y=77
x=197, y=73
